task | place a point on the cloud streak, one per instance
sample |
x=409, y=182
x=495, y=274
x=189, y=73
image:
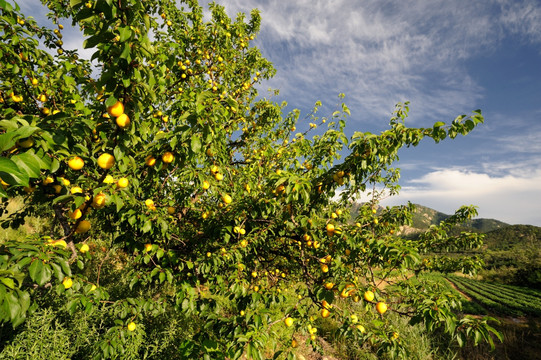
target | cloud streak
x=383, y=53
x=379, y=53
x=523, y=18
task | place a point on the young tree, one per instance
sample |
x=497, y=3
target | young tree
x=158, y=158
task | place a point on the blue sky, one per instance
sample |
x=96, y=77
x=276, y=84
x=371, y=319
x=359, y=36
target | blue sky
x=447, y=58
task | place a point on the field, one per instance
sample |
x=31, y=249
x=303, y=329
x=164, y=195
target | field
x=498, y=298
x=518, y=310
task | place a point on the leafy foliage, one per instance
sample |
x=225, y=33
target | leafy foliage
x=205, y=205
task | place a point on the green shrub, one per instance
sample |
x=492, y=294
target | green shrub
x=43, y=336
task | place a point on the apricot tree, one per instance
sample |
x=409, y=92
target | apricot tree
x=158, y=157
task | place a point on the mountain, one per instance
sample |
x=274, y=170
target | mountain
x=424, y=217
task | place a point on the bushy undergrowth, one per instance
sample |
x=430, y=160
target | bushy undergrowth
x=47, y=334
x=53, y=333
x=420, y=345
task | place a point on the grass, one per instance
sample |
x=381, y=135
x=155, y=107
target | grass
x=32, y=225
x=419, y=345
x=468, y=306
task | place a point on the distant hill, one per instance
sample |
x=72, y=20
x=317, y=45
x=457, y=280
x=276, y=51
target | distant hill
x=512, y=237
x=425, y=216
x=511, y=253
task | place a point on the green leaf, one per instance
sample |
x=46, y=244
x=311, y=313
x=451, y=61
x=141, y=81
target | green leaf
x=55, y=165
x=72, y=306
x=62, y=198
x=24, y=300
x=146, y=19
x=93, y=41
x=42, y=274
x=125, y=33
x=10, y=173
x=119, y=203
x=147, y=226
x=7, y=141
x=203, y=96
x=35, y=269
x=43, y=159
x=79, y=200
x=25, y=131
x=13, y=305
x=210, y=345
x=57, y=271
x=8, y=282
x=232, y=103
x=196, y=143
x=439, y=124
x=118, y=152
x=126, y=52
x=65, y=266
x=111, y=100
x=105, y=8
x=6, y=6
x=29, y=163
x=133, y=281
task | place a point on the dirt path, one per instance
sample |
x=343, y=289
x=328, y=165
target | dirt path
x=458, y=290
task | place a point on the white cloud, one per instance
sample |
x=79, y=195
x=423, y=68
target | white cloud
x=521, y=167
x=528, y=142
x=512, y=199
x=510, y=146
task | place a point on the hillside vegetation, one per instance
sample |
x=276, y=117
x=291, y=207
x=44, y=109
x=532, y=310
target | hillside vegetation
x=512, y=255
